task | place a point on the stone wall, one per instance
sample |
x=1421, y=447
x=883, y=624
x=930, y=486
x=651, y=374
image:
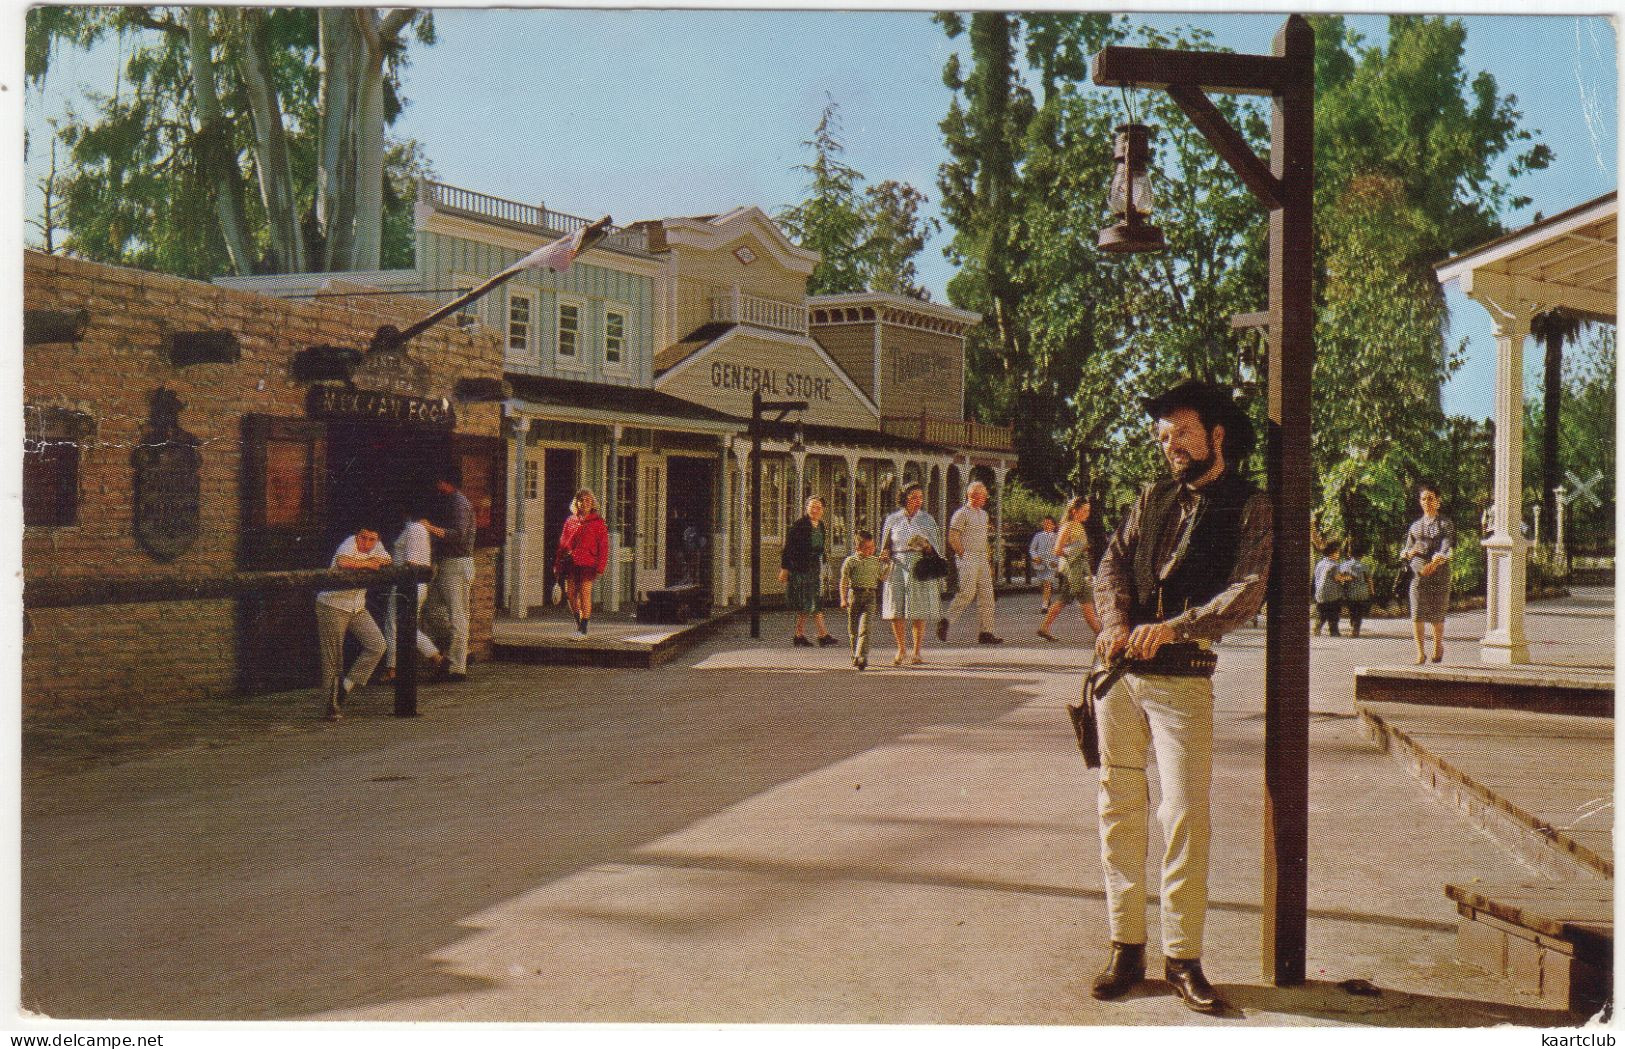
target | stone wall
x=163, y=651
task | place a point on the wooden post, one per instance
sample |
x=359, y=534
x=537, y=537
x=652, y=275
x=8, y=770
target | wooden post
x=406, y=649
x=1291, y=484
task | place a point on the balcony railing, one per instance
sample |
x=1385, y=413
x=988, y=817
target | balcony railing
x=532, y=216
x=730, y=305
x=955, y=433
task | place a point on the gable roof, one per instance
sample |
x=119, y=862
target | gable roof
x=710, y=233
x=680, y=355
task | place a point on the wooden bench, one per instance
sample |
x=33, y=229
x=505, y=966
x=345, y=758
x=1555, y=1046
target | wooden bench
x=674, y=604
x=1554, y=940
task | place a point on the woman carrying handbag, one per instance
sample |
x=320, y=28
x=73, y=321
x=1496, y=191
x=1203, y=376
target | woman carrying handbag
x=582, y=556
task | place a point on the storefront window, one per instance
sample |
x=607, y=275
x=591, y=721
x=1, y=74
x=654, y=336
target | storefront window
x=626, y=494
x=519, y=323
x=773, y=487
x=840, y=489
x=865, y=482
x=614, y=338
x=569, y=331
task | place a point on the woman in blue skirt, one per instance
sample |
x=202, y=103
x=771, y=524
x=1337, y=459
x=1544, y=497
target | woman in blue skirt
x=1428, y=546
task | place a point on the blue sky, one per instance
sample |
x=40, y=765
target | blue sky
x=654, y=113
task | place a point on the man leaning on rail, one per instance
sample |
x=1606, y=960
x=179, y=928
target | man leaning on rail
x=1189, y=563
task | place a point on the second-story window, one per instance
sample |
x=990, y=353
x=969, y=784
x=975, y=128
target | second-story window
x=519, y=322
x=569, y=331
x=614, y=338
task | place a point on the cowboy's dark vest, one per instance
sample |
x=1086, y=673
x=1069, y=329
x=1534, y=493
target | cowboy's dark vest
x=1202, y=571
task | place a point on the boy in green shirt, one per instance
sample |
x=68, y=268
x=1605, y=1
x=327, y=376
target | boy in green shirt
x=861, y=576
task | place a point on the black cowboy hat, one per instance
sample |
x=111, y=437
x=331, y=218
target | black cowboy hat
x=1217, y=407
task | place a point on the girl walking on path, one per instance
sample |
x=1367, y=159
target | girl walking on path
x=583, y=555
x=1075, y=578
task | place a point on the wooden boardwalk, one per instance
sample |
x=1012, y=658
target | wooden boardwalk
x=1548, y=778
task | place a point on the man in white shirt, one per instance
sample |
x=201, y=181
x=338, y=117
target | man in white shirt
x=412, y=547
x=340, y=611
x=967, y=535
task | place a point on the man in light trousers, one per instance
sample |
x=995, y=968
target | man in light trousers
x=454, y=572
x=340, y=612
x=1188, y=564
x=967, y=536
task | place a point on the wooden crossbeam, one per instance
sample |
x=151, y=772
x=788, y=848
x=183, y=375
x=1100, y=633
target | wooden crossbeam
x=1203, y=70
x=1228, y=143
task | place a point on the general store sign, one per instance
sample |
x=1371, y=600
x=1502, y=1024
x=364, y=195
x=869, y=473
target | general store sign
x=772, y=382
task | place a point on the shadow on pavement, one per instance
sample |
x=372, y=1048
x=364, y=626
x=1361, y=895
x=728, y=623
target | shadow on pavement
x=1386, y=1008
x=272, y=867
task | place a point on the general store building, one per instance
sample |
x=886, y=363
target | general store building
x=632, y=374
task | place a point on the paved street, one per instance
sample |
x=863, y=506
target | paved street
x=753, y=833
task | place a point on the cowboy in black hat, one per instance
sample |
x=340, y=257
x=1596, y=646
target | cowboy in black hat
x=1189, y=564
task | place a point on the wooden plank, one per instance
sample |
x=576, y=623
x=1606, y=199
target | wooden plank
x=1207, y=70
x=1547, y=907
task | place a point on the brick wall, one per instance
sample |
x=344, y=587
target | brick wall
x=162, y=651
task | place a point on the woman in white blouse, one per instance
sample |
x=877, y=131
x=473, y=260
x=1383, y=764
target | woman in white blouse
x=907, y=533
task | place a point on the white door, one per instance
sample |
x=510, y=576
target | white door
x=651, y=534
x=536, y=552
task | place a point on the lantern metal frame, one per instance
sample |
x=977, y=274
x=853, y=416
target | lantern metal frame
x=1131, y=158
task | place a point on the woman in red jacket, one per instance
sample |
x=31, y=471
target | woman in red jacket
x=583, y=555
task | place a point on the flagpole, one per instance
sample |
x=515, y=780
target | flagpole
x=388, y=338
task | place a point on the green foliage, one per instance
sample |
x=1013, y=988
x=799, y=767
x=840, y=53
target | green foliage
x=1586, y=439
x=867, y=240
x=1407, y=112
x=404, y=164
x=1415, y=159
x=148, y=181
x=1366, y=500
x=1006, y=191
x=1467, y=564
x=1024, y=511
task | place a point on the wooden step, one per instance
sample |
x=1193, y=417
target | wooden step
x=1554, y=940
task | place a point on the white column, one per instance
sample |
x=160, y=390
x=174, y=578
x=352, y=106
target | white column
x=852, y=502
x=1559, y=550
x=1507, y=550
x=998, y=519
x=611, y=500
x=518, y=540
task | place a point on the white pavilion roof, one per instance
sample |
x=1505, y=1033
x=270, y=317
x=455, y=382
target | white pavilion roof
x=1569, y=261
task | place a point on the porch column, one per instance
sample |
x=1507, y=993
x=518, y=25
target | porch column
x=742, y=559
x=612, y=514
x=1507, y=550
x=1560, y=554
x=852, y=502
x=518, y=540
x=998, y=520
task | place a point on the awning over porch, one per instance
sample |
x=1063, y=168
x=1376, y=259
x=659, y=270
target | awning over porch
x=1567, y=262
x=592, y=402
